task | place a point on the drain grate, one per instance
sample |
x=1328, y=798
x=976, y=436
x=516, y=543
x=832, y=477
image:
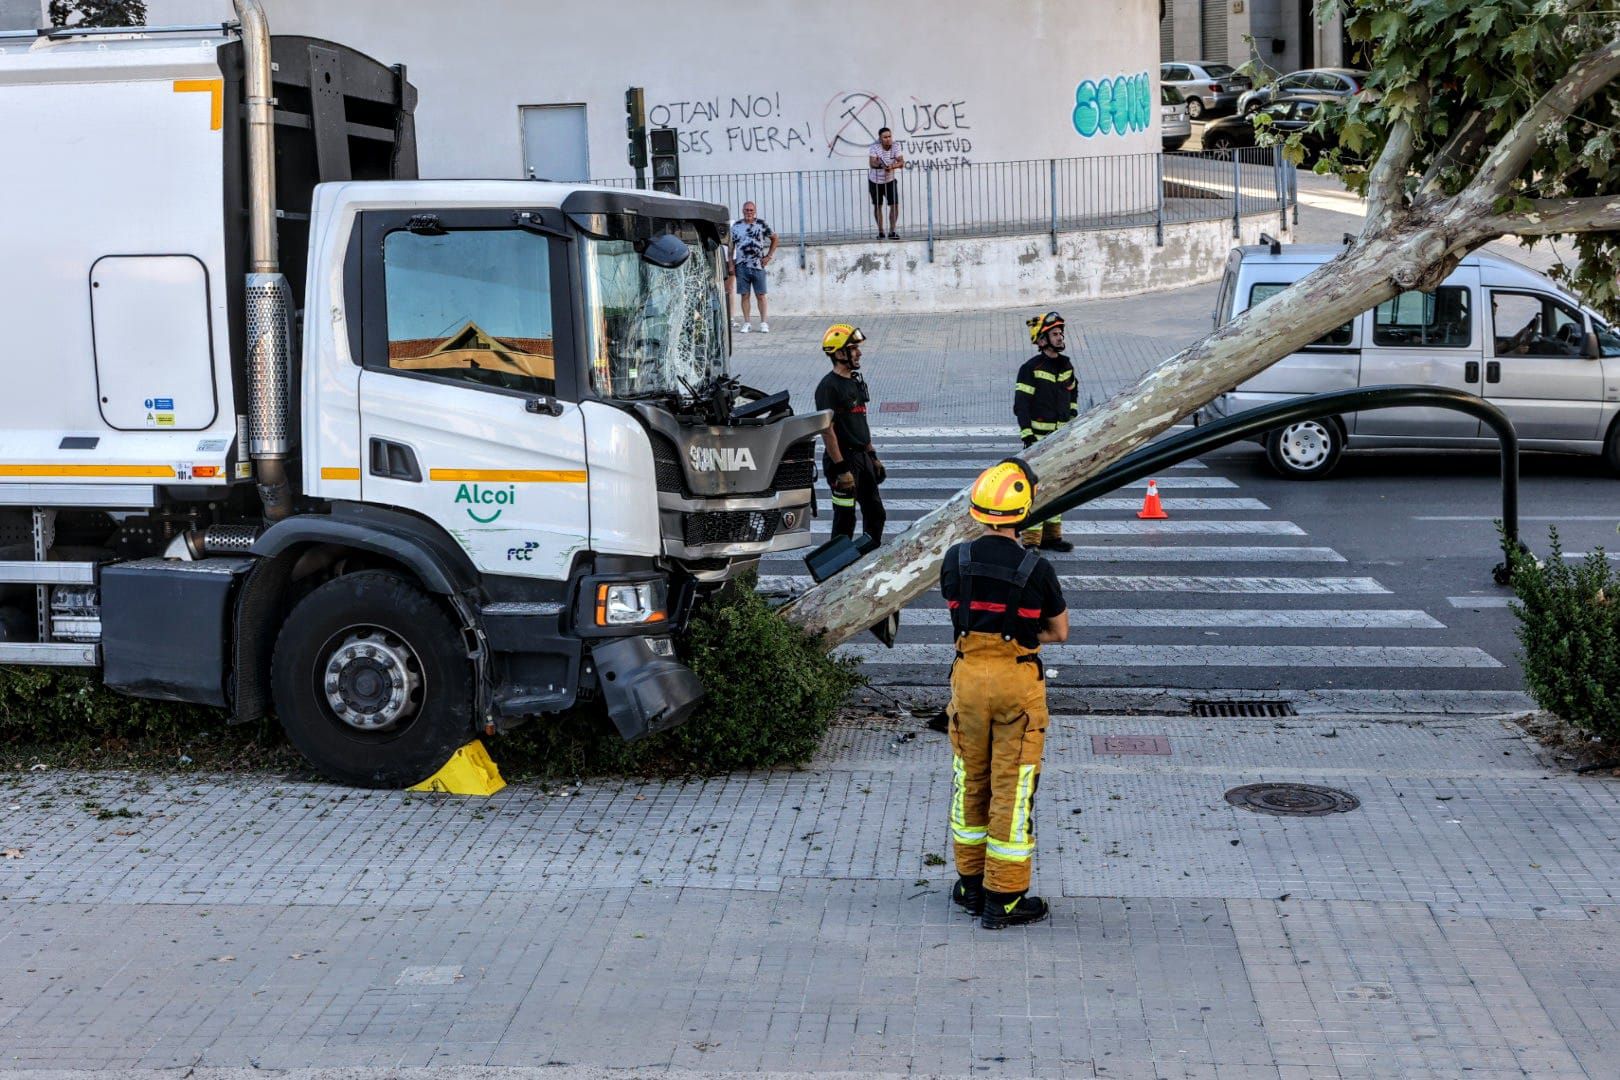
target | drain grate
x=1242, y=708
x=1292, y=800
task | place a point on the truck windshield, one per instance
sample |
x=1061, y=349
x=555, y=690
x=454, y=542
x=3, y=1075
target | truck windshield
x=650, y=327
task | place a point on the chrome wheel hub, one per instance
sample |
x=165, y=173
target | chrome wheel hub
x=1306, y=446
x=372, y=680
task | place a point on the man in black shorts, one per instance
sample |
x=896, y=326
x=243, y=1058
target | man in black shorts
x=851, y=462
x=883, y=160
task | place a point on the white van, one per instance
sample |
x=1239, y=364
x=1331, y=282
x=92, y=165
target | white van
x=1494, y=328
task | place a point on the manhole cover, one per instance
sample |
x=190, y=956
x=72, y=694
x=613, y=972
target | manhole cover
x=1292, y=800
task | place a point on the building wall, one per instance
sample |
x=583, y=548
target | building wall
x=1265, y=21
x=776, y=85
x=20, y=14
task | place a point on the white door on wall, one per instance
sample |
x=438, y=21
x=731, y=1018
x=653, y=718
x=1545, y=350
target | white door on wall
x=554, y=145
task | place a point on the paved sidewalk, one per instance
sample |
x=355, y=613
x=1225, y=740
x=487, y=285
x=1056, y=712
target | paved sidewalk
x=1461, y=922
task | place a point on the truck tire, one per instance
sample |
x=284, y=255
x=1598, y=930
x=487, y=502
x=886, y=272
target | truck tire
x=1611, y=448
x=371, y=681
x=1308, y=450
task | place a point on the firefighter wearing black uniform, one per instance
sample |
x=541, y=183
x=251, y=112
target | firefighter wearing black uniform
x=1046, y=397
x=851, y=462
x=1005, y=602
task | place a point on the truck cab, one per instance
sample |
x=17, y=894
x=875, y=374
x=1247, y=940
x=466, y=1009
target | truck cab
x=289, y=428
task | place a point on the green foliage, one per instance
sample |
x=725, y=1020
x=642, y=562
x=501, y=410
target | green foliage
x=1477, y=66
x=1569, y=625
x=97, y=12
x=771, y=692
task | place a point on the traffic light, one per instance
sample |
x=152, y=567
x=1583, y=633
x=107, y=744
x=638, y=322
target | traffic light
x=666, y=160
x=635, y=126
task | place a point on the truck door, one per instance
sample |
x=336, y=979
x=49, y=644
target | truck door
x=1535, y=372
x=1427, y=339
x=468, y=413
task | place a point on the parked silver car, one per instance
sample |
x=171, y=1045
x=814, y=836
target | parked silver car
x=1493, y=328
x=1312, y=82
x=1209, y=87
x=1174, y=127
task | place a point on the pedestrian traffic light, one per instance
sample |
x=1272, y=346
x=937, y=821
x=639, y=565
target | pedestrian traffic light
x=666, y=160
x=635, y=126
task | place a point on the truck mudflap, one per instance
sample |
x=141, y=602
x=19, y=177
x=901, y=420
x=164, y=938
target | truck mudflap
x=645, y=693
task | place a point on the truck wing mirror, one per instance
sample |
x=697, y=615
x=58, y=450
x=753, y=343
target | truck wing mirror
x=667, y=251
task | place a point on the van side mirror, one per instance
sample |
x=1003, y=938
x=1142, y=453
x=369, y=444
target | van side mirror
x=1589, y=346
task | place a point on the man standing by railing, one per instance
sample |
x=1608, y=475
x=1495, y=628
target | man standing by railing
x=884, y=160
x=752, y=246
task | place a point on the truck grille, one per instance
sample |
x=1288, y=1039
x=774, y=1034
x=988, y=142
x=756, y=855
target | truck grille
x=667, y=467
x=798, y=468
x=730, y=526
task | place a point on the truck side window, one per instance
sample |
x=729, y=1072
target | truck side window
x=1439, y=319
x=1337, y=338
x=471, y=306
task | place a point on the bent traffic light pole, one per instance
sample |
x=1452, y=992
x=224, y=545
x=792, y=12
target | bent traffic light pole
x=1189, y=444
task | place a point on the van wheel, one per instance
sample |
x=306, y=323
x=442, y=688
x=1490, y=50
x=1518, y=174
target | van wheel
x=371, y=681
x=1308, y=450
x=1611, y=448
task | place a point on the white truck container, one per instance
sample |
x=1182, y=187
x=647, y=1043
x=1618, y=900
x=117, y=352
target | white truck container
x=283, y=426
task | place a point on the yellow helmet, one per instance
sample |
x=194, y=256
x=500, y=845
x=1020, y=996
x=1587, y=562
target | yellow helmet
x=840, y=335
x=1040, y=324
x=1003, y=494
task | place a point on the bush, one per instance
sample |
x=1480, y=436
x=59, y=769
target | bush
x=1569, y=625
x=772, y=691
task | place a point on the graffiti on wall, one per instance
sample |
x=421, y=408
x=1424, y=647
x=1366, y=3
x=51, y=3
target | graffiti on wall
x=747, y=123
x=931, y=133
x=1114, y=106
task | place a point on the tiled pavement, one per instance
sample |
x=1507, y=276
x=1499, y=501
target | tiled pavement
x=1460, y=923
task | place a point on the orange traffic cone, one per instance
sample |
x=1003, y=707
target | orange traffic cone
x=1150, y=504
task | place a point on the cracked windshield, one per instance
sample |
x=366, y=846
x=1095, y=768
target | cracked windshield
x=654, y=330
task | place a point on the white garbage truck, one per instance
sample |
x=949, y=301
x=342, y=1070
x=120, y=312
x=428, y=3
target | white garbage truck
x=285, y=428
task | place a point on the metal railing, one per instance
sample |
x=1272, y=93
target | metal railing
x=1010, y=198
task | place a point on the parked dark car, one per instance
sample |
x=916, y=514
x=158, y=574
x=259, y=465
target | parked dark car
x=1312, y=82
x=1288, y=115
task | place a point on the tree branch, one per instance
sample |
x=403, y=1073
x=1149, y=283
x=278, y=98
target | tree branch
x=1387, y=180
x=1586, y=77
x=1549, y=217
x=1466, y=141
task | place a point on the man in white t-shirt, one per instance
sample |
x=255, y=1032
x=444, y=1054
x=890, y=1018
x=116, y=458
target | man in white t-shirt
x=883, y=160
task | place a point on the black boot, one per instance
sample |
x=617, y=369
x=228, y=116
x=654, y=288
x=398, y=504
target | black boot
x=1055, y=543
x=940, y=722
x=968, y=893
x=1011, y=909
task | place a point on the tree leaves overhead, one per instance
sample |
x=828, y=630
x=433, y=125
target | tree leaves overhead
x=1443, y=64
x=97, y=12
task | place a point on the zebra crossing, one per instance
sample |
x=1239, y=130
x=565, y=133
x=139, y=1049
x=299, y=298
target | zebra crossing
x=1226, y=596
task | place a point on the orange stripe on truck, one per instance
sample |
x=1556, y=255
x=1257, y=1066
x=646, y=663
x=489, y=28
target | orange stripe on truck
x=155, y=472
x=215, y=88
x=511, y=476
x=339, y=473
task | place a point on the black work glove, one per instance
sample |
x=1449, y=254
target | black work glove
x=1029, y=441
x=879, y=473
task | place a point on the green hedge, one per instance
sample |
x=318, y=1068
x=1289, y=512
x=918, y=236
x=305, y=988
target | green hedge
x=771, y=694
x=1569, y=625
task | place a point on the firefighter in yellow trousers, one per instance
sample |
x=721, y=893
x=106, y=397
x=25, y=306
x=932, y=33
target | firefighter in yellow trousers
x=1005, y=603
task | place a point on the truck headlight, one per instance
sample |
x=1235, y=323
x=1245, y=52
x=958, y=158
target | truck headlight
x=631, y=603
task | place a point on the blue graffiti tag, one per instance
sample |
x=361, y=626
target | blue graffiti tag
x=1114, y=106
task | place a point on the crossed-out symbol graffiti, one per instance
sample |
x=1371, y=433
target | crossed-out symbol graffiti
x=852, y=121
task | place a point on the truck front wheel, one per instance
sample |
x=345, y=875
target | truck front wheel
x=371, y=681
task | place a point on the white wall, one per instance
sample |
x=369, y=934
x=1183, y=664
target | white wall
x=768, y=86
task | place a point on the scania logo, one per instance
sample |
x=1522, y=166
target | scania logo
x=720, y=458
